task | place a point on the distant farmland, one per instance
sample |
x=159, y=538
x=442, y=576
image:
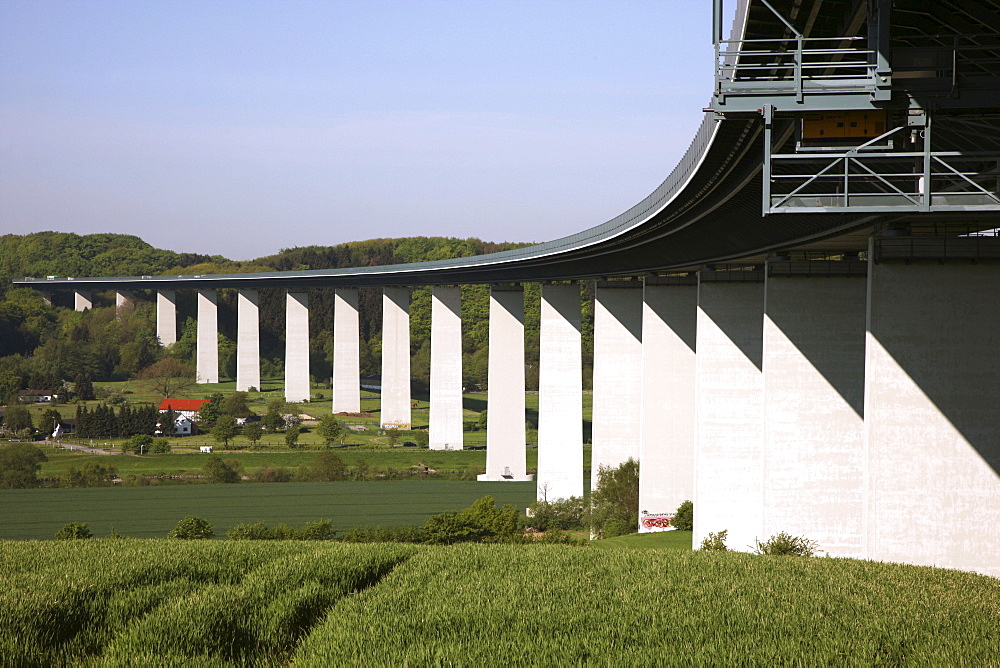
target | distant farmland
x=150, y=512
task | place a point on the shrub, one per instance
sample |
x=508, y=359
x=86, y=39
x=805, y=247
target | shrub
x=292, y=436
x=139, y=444
x=318, y=530
x=255, y=531
x=19, y=465
x=383, y=534
x=614, y=505
x=217, y=470
x=786, y=544
x=480, y=521
x=161, y=446
x=74, y=531
x=715, y=542
x=684, y=517
x=328, y=467
x=276, y=474
x=192, y=528
x=562, y=514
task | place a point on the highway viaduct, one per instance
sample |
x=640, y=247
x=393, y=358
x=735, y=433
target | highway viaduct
x=809, y=300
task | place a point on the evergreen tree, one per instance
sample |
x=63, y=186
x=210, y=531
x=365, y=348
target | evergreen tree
x=84, y=388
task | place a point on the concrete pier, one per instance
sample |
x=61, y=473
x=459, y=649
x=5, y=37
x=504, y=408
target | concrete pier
x=123, y=299
x=669, y=317
x=395, y=412
x=814, y=382
x=83, y=300
x=297, y=346
x=166, y=317
x=208, y=337
x=560, y=386
x=445, y=431
x=247, y=341
x=728, y=492
x=505, y=448
x=617, y=406
x=932, y=415
x=346, y=351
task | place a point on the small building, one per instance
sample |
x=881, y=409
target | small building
x=36, y=396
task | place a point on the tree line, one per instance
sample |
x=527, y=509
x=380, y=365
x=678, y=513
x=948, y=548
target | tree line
x=42, y=346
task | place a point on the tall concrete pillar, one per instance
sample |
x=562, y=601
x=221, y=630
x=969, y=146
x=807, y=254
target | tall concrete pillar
x=166, y=317
x=122, y=298
x=247, y=341
x=617, y=374
x=296, y=346
x=932, y=408
x=46, y=296
x=728, y=493
x=208, y=337
x=505, y=447
x=669, y=317
x=445, y=431
x=395, y=358
x=814, y=384
x=560, y=387
x=83, y=300
x=346, y=352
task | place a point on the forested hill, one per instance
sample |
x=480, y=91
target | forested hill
x=68, y=254
x=42, y=346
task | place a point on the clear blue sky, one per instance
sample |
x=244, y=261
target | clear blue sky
x=240, y=128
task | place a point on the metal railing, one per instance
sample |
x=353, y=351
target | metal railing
x=794, y=66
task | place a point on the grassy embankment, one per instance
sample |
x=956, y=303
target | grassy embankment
x=131, y=602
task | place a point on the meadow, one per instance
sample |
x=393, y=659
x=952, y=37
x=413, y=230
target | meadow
x=225, y=603
x=150, y=512
x=365, y=430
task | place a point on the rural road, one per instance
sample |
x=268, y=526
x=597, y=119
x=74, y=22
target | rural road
x=82, y=448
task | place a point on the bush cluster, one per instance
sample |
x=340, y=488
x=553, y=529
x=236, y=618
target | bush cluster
x=787, y=544
x=562, y=514
x=318, y=530
x=715, y=542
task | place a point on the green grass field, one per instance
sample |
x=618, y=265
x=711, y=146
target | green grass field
x=150, y=512
x=252, y=603
x=660, y=540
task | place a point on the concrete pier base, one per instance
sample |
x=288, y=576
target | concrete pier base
x=208, y=337
x=346, y=351
x=83, y=300
x=814, y=382
x=728, y=492
x=296, y=346
x=247, y=341
x=560, y=386
x=396, y=406
x=505, y=448
x=617, y=374
x=166, y=317
x=932, y=415
x=445, y=431
x=669, y=317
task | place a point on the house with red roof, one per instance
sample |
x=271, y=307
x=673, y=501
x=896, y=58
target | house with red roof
x=185, y=412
